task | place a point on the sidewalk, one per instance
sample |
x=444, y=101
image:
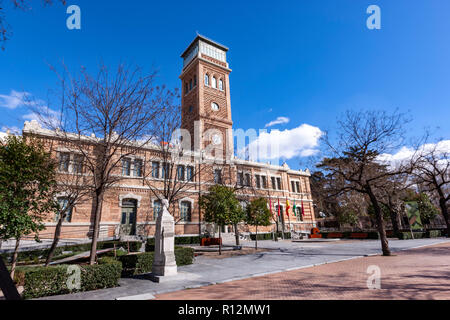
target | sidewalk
x=422, y=273
x=288, y=256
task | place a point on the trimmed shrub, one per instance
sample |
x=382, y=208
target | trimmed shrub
x=150, y=244
x=134, y=264
x=36, y=255
x=52, y=280
x=407, y=235
x=433, y=233
x=262, y=236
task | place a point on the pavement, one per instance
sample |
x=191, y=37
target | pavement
x=284, y=256
x=421, y=273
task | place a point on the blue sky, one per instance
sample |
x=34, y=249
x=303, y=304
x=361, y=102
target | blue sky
x=304, y=60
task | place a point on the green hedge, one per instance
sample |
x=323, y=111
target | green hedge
x=262, y=236
x=420, y=234
x=52, y=280
x=407, y=235
x=433, y=233
x=35, y=255
x=150, y=244
x=134, y=264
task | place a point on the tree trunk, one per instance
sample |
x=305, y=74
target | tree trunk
x=394, y=217
x=444, y=210
x=380, y=223
x=56, y=238
x=394, y=221
x=6, y=283
x=220, y=241
x=14, y=259
x=97, y=209
x=256, y=238
x=236, y=233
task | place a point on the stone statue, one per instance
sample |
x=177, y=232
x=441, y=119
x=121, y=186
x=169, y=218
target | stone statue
x=164, y=263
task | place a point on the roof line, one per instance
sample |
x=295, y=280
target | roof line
x=206, y=39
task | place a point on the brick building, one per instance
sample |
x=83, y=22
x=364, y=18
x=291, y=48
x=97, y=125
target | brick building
x=130, y=208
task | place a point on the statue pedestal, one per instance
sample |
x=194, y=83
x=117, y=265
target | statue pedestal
x=164, y=264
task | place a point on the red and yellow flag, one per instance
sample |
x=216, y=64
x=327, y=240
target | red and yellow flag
x=287, y=206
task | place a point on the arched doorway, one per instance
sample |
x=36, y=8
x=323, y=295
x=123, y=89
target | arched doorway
x=128, y=218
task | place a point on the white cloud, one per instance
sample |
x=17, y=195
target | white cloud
x=302, y=141
x=15, y=99
x=279, y=120
x=406, y=153
x=13, y=130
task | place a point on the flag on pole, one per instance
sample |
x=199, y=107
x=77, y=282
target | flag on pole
x=303, y=210
x=287, y=207
x=278, y=206
x=294, y=208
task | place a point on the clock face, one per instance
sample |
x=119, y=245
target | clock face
x=214, y=106
x=216, y=139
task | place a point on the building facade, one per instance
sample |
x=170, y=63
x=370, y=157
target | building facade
x=131, y=205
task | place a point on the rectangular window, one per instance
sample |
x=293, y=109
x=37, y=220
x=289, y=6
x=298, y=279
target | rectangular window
x=77, y=163
x=247, y=179
x=137, y=171
x=264, y=182
x=293, y=186
x=217, y=176
x=126, y=167
x=64, y=160
x=190, y=173
x=180, y=173
x=156, y=208
x=298, y=211
x=195, y=81
x=257, y=181
x=274, y=186
x=297, y=183
x=64, y=209
x=240, y=179
x=279, y=183
x=185, y=211
x=155, y=169
x=165, y=174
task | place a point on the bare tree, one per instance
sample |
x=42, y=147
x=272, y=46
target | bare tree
x=354, y=164
x=73, y=189
x=432, y=174
x=106, y=118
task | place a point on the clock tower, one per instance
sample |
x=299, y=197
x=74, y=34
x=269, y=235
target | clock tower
x=206, y=109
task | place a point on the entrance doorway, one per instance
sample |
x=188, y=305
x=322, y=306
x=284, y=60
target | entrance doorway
x=128, y=220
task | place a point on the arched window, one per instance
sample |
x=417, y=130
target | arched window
x=206, y=80
x=156, y=209
x=214, y=82
x=221, y=84
x=185, y=211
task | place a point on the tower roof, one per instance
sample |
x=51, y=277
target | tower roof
x=205, y=39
